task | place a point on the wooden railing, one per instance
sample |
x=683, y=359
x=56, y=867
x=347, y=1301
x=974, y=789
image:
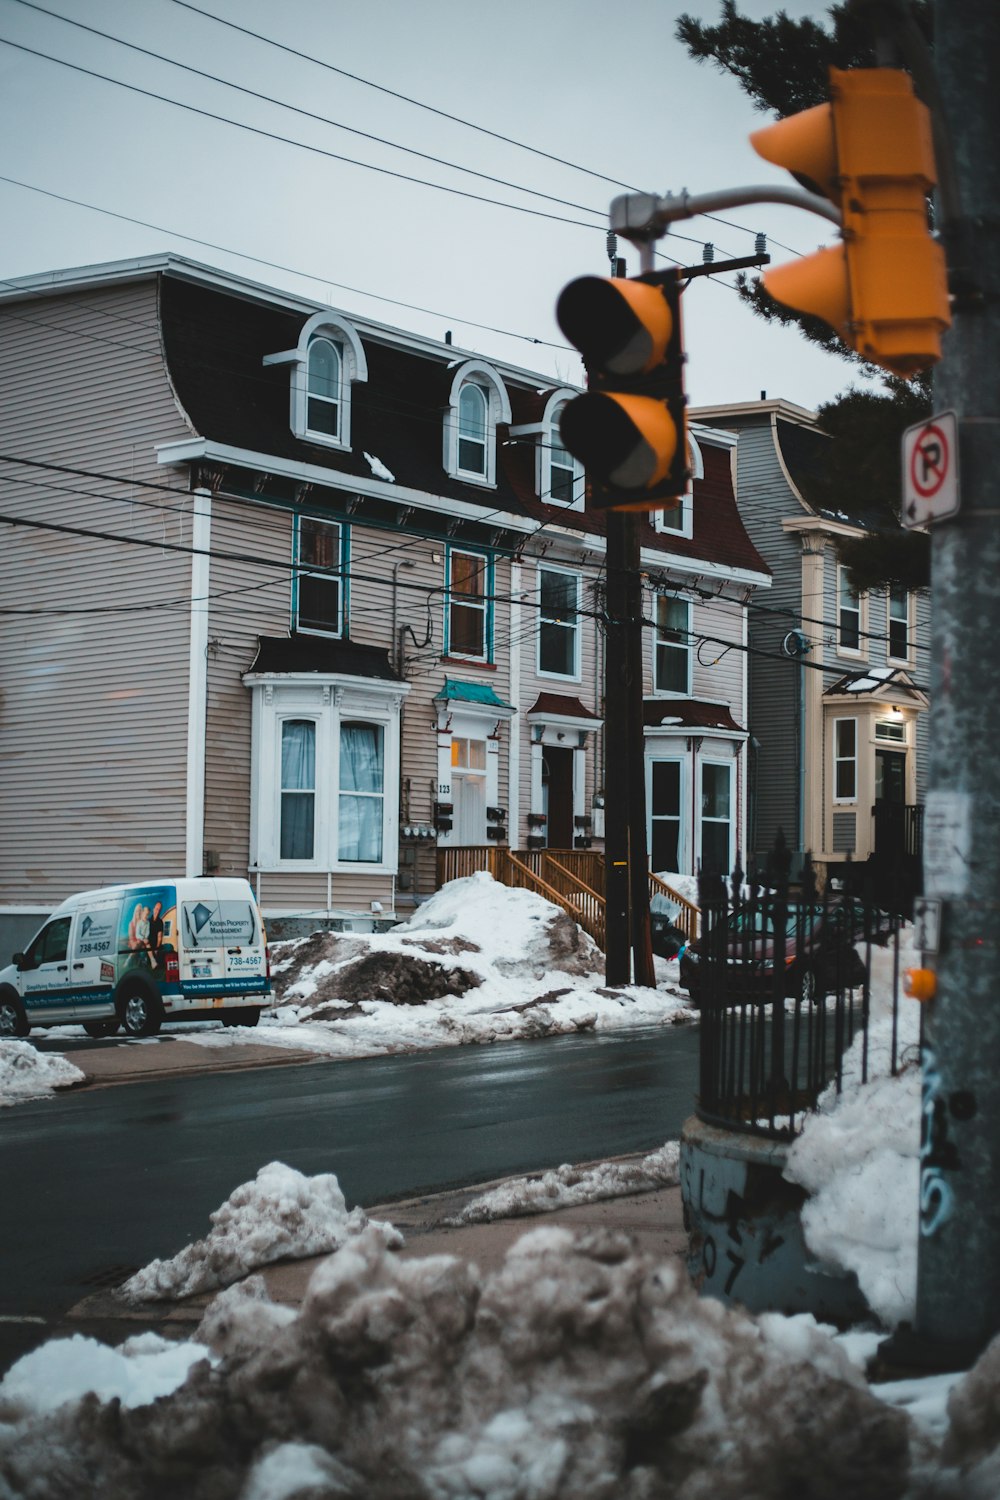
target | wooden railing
x=570, y=878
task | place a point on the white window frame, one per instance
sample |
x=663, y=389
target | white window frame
x=475, y=372
x=301, y=571
x=838, y=760
x=329, y=700
x=685, y=646
x=891, y=655
x=353, y=367
x=861, y=608
x=486, y=606
x=729, y=766
x=571, y=627
x=281, y=790
x=681, y=521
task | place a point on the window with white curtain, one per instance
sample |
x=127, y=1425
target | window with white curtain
x=362, y=791
x=298, y=788
x=324, y=772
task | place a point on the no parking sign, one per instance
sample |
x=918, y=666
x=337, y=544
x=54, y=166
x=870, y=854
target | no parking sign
x=930, y=470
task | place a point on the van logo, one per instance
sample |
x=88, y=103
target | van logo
x=200, y=915
x=86, y=925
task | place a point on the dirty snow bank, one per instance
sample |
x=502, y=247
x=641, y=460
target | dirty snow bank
x=568, y=1185
x=858, y=1155
x=281, y=1215
x=27, y=1074
x=579, y=1368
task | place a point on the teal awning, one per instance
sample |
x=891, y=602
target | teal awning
x=471, y=692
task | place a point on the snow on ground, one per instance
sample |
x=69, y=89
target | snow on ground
x=569, y=1185
x=579, y=1368
x=281, y=1215
x=858, y=1155
x=27, y=1074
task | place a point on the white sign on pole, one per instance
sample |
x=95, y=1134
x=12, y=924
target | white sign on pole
x=947, y=844
x=930, y=470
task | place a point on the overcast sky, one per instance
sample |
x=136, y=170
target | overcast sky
x=605, y=87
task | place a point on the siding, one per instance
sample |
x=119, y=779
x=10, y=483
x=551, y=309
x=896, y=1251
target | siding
x=764, y=501
x=94, y=708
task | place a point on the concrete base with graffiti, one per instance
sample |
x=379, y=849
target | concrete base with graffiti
x=745, y=1240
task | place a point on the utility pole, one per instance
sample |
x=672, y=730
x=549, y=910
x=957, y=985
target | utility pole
x=958, y=1281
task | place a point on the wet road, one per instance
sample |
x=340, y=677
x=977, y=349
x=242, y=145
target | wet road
x=103, y=1181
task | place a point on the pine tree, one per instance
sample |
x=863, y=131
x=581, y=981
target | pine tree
x=782, y=65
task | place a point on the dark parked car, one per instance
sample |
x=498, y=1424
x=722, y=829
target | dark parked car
x=818, y=955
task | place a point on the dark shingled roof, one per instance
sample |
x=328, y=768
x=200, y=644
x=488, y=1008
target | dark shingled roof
x=691, y=714
x=215, y=343
x=561, y=706
x=317, y=653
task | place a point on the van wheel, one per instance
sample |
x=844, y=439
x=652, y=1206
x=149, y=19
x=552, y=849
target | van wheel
x=13, y=1021
x=140, y=1009
x=243, y=1015
x=107, y=1027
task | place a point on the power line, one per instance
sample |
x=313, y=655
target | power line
x=273, y=135
x=306, y=113
x=405, y=98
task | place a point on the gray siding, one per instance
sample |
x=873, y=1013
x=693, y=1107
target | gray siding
x=94, y=707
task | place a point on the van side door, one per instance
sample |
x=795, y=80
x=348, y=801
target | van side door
x=43, y=973
x=93, y=954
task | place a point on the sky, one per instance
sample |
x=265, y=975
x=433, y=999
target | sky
x=608, y=90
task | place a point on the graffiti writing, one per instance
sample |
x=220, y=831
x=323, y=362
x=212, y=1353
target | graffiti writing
x=938, y=1155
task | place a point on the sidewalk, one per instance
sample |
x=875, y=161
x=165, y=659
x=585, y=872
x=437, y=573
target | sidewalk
x=653, y=1219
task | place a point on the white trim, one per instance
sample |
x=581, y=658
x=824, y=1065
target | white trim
x=851, y=653
x=730, y=765
x=836, y=759
x=193, y=450
x=685, y=502
x=353, y=366
x=686, y=645
x=194, y=811
x=907, y=660
x=575, y=675
x=514, y=743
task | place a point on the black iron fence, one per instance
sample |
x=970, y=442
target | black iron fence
x=782, y=976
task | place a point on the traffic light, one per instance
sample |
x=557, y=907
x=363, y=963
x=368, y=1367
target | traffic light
x=885, y=289
x=629, y=429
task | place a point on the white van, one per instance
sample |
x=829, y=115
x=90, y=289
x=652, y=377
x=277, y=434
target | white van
x=138, y=955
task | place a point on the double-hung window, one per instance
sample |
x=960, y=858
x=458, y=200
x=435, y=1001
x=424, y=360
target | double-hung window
x=298, y=788
x=324, y=387
x=362, y=792
x=845, y=760
x=472, y=430
x=672, y=646
x=716, y=816
x=849, y=615
x=468, y=607
x=559, y=623
x=319, y=582
x=564, y=471
x=899, y=624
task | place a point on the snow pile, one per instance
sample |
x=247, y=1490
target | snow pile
x=568, y=1185
x=580, y=1368
x=139, y=1371
x=858, y=1157
x=478, y=962
x=281, y=1215
x=27, y=1074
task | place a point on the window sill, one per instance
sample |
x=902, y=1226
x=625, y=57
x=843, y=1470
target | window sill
x=330, y=635
x=481, y=481
x=478, y=662
x=324, y=440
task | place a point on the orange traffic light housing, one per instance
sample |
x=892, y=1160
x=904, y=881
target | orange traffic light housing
x=629, y=430
x=870, y=151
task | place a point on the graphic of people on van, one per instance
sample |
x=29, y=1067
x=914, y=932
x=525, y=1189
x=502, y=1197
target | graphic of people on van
x=148, y=921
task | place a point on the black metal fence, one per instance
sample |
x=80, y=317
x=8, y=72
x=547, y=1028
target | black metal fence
x=782, y=977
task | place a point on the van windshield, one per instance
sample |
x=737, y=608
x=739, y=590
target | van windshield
x=218, y=924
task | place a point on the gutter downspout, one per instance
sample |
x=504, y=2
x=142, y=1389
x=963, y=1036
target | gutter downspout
x=194, y=812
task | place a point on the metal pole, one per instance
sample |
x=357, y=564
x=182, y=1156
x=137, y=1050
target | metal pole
x=958, y=1282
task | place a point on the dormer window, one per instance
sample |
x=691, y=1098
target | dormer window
x=478, y=401
x=472, y=411
x=325, y=364
x=678, y=519
x=559, y=476
x=324, y=395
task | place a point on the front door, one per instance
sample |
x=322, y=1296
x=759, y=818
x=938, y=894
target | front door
x=890, y=776
x=557, y=795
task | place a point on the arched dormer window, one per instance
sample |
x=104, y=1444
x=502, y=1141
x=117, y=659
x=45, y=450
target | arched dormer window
x=325, y=363
x=678, y=520
x=559, y=478
x=477, y=401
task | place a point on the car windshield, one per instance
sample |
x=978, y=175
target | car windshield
x=759, y=919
